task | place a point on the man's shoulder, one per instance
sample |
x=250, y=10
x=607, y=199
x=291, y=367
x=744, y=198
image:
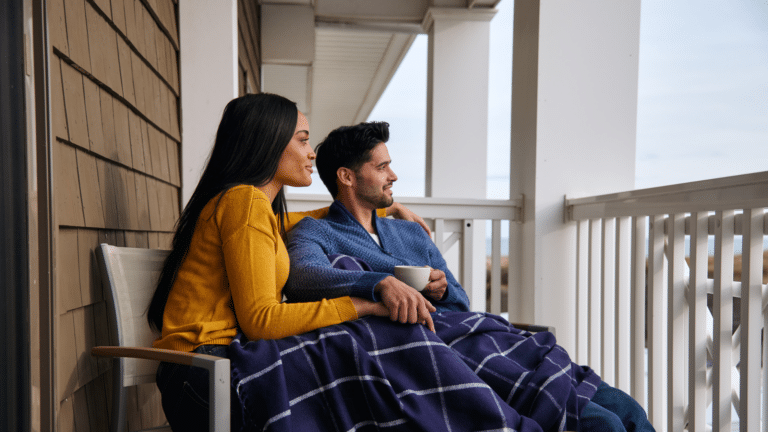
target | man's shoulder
x=405, y=227
x=312, y=226
x=307, y=226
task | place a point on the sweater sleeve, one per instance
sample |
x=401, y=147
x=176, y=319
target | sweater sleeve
x=455, y=297
x=312, y=275
x=252, y=255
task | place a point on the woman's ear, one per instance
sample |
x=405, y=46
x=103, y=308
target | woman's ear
x=345, y=176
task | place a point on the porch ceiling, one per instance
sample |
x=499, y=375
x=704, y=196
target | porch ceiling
x=350, y=72
x=358, y=46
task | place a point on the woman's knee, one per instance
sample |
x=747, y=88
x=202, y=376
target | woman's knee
x=628, y=410
x=184, y=391
x=596, y=418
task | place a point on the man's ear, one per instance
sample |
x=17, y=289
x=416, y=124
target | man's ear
x=345, y=176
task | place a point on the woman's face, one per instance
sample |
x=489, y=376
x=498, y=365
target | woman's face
x=295, y=166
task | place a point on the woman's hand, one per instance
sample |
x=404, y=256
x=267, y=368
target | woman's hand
x=365, y=307
x=404, y=303
x=399, y=211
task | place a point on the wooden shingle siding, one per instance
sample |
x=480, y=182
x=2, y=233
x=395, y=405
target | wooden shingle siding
x=142, y=202
x=108, y=125
x=66, y=419
x=69, y=206
x=116, y=153
x=69, y=294
x=85, y=336
x=95, y=392
x=80, y=405
x=93, y=207
x=58, y=112
x=93, y=116
x=126, y=71
x=66, y=359
x=74, y=104
x=57, y=26
x=137, y=147
x=115, y=90
x=90, y=282
x=77, y=33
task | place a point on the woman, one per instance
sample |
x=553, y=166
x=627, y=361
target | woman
x=228, y=263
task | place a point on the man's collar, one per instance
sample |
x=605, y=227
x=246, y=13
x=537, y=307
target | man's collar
x=339, y=206
x=338, y=210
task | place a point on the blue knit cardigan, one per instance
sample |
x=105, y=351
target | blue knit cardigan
x=312, y=276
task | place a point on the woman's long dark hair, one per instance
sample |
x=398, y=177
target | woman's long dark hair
x=253, y=133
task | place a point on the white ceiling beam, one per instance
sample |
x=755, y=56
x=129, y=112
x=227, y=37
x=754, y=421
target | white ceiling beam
x=397, y=49
x=287, y=34
x=371, y=10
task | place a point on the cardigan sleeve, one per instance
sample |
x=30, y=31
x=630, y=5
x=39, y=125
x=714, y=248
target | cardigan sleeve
x=455, y=297
x=255, y=262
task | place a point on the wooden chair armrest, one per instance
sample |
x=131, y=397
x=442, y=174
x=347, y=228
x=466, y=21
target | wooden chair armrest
x=218, y=376
x=165, y=355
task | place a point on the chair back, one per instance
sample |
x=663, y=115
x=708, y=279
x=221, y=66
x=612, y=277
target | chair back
x=131, y=276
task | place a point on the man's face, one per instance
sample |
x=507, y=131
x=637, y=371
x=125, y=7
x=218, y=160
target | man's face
x=373, y=180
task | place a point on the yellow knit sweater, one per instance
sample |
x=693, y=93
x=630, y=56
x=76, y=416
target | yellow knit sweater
x=233, y=276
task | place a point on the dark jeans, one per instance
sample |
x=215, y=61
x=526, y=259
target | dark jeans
x=610, y=409
x=184, y=392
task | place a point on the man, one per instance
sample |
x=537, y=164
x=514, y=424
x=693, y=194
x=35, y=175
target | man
x=530, y=372
x=351, y=229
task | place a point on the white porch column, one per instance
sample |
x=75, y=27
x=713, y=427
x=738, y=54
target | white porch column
x=457, y=119
x=209, y=74
x=574, y=110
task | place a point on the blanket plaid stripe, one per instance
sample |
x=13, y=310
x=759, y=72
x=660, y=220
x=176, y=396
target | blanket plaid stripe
x=530, y=372
x=374, y=374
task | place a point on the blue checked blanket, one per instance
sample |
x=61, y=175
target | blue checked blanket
x=476, y=373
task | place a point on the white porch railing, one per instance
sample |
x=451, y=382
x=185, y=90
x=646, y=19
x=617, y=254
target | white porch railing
x=452, y=221
x=636, y=291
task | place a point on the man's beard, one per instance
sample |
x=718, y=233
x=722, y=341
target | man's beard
x=377, y=198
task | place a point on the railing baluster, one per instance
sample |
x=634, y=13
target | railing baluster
x=466, y=258
x=496, y=267
x=439, y=234
x=676, y=375
x=656, y=364
x=668, y=312
x=582, y=292
x=608, y=300
x=514, y=273
x=722, y=308
x=697, y=323
x=623, y=303
x=594, y=318
x=751, y=309
x=638, y=366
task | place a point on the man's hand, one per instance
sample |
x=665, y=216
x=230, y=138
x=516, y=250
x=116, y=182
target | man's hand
x=437, y=285
x=400, y=211
x=405, y=304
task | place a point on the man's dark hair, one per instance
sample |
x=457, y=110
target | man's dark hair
x=348, y=147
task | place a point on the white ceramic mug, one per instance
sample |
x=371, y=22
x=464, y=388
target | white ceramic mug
x=416, y=277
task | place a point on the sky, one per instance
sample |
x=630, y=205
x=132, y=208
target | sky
x=702, y=97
